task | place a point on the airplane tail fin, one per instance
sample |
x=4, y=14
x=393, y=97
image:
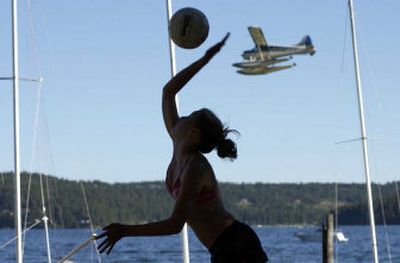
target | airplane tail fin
x=306, y=40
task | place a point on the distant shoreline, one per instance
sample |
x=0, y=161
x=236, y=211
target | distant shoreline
x=258, y=204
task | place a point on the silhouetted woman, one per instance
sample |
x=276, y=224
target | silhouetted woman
x=191, y=182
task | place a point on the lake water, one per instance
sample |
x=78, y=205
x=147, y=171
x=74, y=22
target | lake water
x=281, y=244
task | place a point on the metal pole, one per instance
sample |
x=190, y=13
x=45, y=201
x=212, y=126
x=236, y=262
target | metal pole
x=46, y=228
x=363, y=135
x=184, y=232
x=15, y=76
x=170, y=42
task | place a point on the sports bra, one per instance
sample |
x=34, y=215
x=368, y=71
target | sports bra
x=204, y=195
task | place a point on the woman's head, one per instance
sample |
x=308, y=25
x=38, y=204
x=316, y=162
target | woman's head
x=213, y=134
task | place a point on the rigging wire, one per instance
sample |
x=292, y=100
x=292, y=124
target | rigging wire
x=397, y=195
x=384, y=223
x=90, y=221
x=76, y=249
x=55, y=84
x=377, y=162
x=28, y=194
x=34, y=141
x=36, y=119
x=50, y=214
x=336, y=221
x=37, y=221
x=35, y=129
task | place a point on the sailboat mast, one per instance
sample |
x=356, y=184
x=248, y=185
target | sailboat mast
x=15, y=77
x=184, y=232
x=363, y=134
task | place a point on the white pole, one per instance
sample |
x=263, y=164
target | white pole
x=363, y=135
x=184, y=233
x=46, y=228
x=18, y=219
x=170, y=42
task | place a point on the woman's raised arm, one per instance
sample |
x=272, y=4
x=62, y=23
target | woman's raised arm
x=169, y=109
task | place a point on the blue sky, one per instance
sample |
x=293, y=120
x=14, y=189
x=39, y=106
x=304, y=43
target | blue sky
x=105, y=63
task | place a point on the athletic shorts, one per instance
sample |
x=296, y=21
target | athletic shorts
x=238, y=243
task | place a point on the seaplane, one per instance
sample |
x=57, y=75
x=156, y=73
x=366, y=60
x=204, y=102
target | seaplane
x=262, y=59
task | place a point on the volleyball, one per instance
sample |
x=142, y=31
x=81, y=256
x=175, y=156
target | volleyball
x=188, y=28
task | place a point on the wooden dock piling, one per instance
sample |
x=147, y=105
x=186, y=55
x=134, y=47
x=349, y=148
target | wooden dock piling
x=327, y=239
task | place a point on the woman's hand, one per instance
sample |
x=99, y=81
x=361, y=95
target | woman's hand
x=114, y=232
x=217, y=47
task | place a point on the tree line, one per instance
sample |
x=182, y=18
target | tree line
x=254, y=203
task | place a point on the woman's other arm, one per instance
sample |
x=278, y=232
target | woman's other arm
x=191, y=184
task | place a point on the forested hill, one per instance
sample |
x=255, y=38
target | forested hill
x=260, y=203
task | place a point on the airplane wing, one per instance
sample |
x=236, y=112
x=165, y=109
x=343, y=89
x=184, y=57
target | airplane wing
x=257, y=36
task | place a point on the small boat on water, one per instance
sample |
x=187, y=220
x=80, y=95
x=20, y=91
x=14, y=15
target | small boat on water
x=340, y=237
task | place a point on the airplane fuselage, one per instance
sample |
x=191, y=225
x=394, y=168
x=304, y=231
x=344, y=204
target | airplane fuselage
x=273, y=52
